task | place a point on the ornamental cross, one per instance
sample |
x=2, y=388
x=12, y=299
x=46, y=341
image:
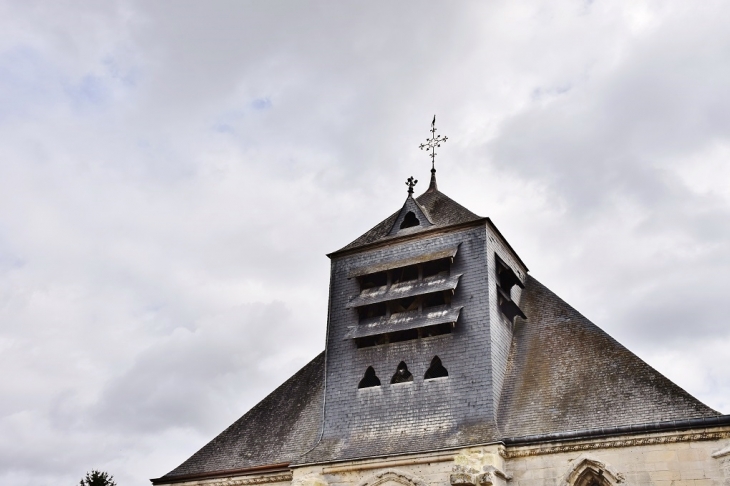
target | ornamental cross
x=432, y=143
x=411, y=183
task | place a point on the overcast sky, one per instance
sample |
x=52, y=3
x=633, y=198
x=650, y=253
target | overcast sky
x=172, y=175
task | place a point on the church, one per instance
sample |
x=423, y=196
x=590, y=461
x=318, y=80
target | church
x=446, y=363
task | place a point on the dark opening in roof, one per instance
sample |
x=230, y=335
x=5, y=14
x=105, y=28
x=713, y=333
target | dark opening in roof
x=373, y=280
x=434, y=299
x=508, y=307
x=370, y=379
x=506, y=277
x=378, y=309
x=410, y=220
x=402, y=375
x=436, y=267
x=404, y=274
x=436, y=370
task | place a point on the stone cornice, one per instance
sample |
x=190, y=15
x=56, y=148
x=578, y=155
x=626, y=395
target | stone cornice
x=275, y=478
x=510, y=453
x=285, y=476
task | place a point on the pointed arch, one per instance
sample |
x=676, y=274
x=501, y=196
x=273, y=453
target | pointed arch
x=392, y=475
x=591, y=477
x=436, y=370
x=402, y=375
x=589, y=471
x=370, y=379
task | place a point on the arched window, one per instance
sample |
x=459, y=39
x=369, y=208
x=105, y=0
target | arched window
x=370, y=379
x=592, y=477
x=436, y=370
x=402, y=375
x=410, y=220
x=590, y=471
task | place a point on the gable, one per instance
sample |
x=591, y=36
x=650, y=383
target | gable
x=438, y=209
x=410, y=218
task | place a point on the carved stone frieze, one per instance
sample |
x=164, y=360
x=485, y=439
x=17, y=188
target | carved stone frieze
x=247, y=481
x=277, y=478
x=609, y=443
x=392, y=475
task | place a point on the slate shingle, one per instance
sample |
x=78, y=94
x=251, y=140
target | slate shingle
x=440, y=209
x=564, y=374
x=277, y=430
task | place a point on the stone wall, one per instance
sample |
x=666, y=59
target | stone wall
x=694, y=458
x=658, y=460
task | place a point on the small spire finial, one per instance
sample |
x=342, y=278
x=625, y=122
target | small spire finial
x=431, y=144
x=411, y=182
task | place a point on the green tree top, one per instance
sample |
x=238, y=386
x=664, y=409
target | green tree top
x=97, y=478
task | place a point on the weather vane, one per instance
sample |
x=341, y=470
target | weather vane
x=411, y=183
x=432, y=143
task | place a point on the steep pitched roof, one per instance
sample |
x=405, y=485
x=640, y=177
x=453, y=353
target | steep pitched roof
x=441, y=210
x=566, y=374
x=280, y=428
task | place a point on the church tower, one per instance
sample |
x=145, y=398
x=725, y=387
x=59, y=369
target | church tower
x=447, y=364
x=421, y=316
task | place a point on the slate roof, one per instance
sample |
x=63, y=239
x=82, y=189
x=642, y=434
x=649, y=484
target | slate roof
x=564, y=374
x=441, y=210
x=280, y=428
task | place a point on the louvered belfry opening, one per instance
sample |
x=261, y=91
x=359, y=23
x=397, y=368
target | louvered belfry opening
x=405, y=300
x=506, y=279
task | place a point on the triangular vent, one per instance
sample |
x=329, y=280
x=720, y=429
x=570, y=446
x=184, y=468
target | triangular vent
x=410, y=216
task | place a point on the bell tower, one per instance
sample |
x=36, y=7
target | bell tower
x=421, y=318
x=446, y=363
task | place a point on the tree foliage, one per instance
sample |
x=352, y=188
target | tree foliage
x=97, y=478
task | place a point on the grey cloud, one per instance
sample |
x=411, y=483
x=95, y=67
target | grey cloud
x=179, y=380
x=162, y=240
x=616, y=130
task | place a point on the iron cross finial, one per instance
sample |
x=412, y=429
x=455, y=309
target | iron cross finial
x=411, y=183
x=432, y=143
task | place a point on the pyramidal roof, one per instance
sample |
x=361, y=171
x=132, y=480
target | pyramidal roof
x=279, y=429
x=440, y=210
x=565, y=377
x=566, y=374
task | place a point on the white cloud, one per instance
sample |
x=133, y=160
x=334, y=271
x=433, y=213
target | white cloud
x=172, y=174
